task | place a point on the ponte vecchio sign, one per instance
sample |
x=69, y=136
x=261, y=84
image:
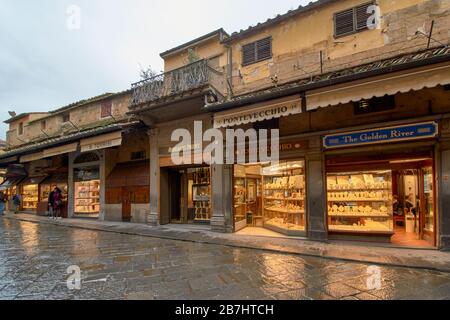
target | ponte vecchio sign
x=383, y=135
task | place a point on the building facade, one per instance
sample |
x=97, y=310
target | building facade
x=358, y=91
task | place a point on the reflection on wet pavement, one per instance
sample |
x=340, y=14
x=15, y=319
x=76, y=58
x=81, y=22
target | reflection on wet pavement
x=34, y=259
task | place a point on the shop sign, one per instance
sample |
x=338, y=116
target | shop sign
x=250, y=115
x=290, y=146
x=384, y=135
x=102, y=142
x=86, y=174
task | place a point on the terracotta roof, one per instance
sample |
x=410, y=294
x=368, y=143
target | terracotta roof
x=401, y=62
x=51, y=142
x=219, y=32
x=277, y=19
x=82, y=103
x=22, y=115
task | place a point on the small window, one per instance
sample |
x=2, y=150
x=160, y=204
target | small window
x=352, y=20
x=20, y=130
x=106, y=109
x=374, y=105
x=66, y=117
x=257, y=51
x=139, y=155
x=43, y=125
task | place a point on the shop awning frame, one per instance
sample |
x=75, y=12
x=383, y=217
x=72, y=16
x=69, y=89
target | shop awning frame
x=380, y=86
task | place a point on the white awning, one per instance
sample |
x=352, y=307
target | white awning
x=60, y=150
x=47, y=153
x=400, y=82
x=102, y=142
x=258, y=112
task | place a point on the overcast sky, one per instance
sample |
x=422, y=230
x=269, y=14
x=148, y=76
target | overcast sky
x=46, y=61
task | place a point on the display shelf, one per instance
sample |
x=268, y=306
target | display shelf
x=201, y=194
x=87, y=197
x=284, y=199
x=360, y=202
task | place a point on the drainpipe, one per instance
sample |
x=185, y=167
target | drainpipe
x=229, y=71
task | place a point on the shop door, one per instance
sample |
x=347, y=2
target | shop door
x=175, y=204
x=126, y=204
x=427, y=205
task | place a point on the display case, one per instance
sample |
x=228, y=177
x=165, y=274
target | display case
x=201, y=194
x=284, y=198
x=239, y=203
x=47, y=188
x=361, y=202
x=87, y=197
x=30, y=197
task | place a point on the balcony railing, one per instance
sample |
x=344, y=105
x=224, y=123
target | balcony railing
x=193, y=76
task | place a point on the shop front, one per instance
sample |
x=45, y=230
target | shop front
x=53, y=181
x=30, y=192
x=86, y=177
x=128, y=192
x=269, y=197
x=9, y=187
x=381, y=184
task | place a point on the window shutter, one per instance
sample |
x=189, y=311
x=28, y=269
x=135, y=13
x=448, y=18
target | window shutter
x=257, y=51
x=264, y=49
x=362, y=16
x=106, y=109
x=249, y=54
x=344, y=23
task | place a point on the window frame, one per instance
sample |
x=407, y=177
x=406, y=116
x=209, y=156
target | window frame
x=254, y=44
x=64, y=116
x=355, y=21
x=109, y=106
x=20, y=129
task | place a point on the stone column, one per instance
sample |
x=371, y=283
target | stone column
x=102, y=168
x=153, y=218
x=443, y=190
x=222, y=198
x=316, y=210
x=70, y=187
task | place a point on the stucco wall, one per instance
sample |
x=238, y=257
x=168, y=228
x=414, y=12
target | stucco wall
x=206, y=50
x=297, y=42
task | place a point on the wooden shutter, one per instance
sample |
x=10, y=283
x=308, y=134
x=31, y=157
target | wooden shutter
x=249, y=53
x=257, y=51
x=362, y=16
x=106, y=109
x=344, y=23
x=264, y=49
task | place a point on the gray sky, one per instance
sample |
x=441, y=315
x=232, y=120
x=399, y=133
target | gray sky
x=45, y=65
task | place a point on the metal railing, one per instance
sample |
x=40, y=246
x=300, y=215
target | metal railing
x=193, y=76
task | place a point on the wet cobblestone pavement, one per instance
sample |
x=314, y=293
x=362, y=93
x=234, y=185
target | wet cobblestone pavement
x=34, y=259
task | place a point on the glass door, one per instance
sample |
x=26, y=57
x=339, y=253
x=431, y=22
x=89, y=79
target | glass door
x=427, y=206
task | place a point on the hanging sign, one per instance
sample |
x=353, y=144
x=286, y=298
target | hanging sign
x=384, y=135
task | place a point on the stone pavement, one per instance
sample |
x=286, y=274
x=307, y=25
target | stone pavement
x=34, y=258
x=342, y=250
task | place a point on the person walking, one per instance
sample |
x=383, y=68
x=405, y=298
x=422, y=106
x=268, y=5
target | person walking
x=2, y=203
x=51, y=203
x=57, y=202
x=17, y=200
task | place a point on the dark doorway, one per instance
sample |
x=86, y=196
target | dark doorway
x=175, y=196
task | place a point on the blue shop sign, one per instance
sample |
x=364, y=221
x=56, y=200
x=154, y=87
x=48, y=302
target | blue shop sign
x=391, y=134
